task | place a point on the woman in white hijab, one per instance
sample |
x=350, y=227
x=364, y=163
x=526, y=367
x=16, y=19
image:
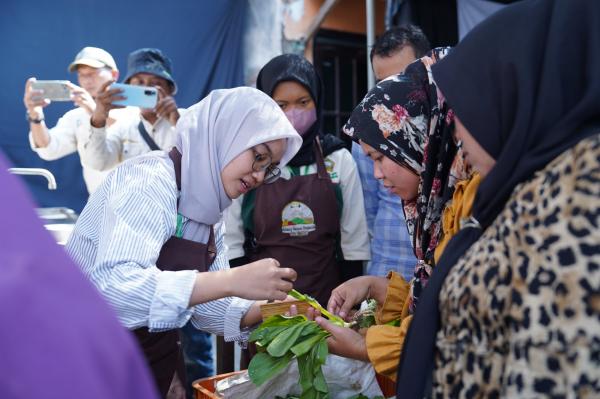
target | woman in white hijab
x=146, y=235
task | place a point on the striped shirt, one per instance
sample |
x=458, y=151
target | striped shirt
x=118, y=237
x=391, y=247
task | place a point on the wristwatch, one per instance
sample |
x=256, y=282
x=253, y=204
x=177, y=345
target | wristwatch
x=32, y=120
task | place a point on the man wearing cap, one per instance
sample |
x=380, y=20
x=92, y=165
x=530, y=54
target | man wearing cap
x=94, y=67
x=152, y=129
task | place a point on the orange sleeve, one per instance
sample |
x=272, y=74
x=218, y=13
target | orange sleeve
x=384, y=346
x=460, y=208
x=396, y=300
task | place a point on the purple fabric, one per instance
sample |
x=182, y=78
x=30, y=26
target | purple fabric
x=58, y=339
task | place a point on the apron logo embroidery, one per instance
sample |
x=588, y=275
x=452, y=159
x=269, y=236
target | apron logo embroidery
x=297, y=219
x=329, y=166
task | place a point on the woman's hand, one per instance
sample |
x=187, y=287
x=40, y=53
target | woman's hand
x=260, y=280
x=311, y=313
x=354, y=291
x=254, y=316
x=344, y=341
x=263, y=279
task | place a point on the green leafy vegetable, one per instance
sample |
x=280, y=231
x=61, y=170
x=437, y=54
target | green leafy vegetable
x=304, y=346
x=281, y=339
x=269, y=366
x=282, y=343
x=315, y=304
x=285, y=338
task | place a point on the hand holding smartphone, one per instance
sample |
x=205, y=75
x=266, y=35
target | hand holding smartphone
x=53, y=90
x=136, y=96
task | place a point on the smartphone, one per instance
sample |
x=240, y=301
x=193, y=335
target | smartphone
x=137, y=96
x=54, y=90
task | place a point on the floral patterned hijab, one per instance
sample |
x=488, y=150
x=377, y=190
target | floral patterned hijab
x=407, y=119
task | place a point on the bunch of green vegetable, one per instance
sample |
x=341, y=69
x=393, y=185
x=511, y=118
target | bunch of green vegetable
x=279, y=340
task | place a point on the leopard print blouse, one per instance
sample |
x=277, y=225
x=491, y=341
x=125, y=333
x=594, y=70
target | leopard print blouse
x=520, y=311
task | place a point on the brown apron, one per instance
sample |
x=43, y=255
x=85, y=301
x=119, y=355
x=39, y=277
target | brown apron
x=161, y=348
x=296, y=221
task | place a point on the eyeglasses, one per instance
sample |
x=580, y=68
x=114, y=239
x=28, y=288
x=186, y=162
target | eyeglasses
x=264, y=163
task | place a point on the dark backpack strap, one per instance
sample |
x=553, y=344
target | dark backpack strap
x=175, y=156
x=250, y=246
x=147, y=137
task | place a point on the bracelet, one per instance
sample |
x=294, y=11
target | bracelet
x=32, y=120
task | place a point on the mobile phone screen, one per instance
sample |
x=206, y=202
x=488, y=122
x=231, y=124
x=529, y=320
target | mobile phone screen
x=54, y=90
x=137, y=96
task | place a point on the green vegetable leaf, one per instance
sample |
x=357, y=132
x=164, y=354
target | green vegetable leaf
x=266, y=335
x=321, y=351
x=394, y=323
x=319, y=382
x=272, y=327
x=285, y=340
x=304, y=346
x=264, y=367
x=315, y=304
x=310, y=393
x=280, y=320
x=306, y=373
x=311, y=328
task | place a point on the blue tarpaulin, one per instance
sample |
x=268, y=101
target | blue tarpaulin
x=40, y=38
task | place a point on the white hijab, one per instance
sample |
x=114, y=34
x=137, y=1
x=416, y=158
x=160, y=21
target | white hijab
x=211, y=134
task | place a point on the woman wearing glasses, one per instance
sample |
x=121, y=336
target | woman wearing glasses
x=316, y=207
x=153, y=225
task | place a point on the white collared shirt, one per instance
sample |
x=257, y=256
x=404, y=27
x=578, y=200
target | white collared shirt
x=107, y=148
x=71, y=133
x=117, y=240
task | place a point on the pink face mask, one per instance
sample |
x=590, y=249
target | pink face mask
x=301, y=119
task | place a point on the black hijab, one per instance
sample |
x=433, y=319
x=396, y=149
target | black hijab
x=292, y=67
x=525, y=83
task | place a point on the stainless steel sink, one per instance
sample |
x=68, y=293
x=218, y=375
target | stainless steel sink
x=57, y=215
x=59, y=222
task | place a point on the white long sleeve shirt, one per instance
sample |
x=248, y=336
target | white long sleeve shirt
x=106, y=148
x=117, y=240
x=71, y=133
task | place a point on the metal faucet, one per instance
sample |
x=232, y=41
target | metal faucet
x=36, y=172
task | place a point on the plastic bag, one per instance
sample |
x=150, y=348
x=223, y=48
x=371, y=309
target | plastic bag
x=345, y=378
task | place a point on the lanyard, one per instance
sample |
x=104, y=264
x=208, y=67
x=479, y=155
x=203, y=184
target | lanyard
x=298, y=170
x=179, y=228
